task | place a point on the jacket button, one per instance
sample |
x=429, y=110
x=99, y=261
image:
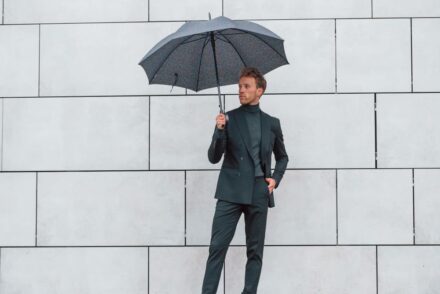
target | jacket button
x=238, y=174
x=241, y=158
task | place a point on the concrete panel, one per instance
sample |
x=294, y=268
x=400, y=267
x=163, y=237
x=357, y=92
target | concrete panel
x=373, y=55
x=310, y=50
x=375, y=207
x=47, y=11
x=178, y=270
x=74, y=270
x=258, y=9
x=305, y=211
x=408, y=130
x=200, y=209
x=427, y=206
x=426, y=59
x=111, y=208
x=100, y=59
x=17, y=209
x=181, y=131
x=75, y=133
x=184, y=10
x=406, y=8
x=1, y=137
x=408, y=269
x=314, y=269
x=323, y=131
x=19, y=56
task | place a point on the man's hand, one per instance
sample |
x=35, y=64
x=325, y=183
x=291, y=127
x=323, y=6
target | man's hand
x=271, y=183
x=220, y=121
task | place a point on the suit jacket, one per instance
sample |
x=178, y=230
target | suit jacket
x=237, y=174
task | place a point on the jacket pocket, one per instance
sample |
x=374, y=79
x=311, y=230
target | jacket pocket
x=267, y=188
x=230, y=171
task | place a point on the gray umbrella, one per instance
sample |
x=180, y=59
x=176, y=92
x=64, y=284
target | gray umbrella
x=209, y=53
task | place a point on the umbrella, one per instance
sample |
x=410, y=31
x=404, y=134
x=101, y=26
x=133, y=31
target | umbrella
x=208, y=53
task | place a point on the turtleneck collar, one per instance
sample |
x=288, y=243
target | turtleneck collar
x=251, y=108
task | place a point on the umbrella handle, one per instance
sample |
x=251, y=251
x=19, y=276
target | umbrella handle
x=226, y=118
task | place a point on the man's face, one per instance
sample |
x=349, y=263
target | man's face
x=248, y=91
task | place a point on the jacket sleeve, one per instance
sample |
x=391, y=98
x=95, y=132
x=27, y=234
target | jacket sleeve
x=218, y=145
x=280, y=153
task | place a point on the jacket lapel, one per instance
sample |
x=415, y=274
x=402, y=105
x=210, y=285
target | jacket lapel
x=265, y=135
x=244, y=131
x=265, y=142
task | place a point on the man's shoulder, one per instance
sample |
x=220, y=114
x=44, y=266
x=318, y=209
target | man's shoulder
x=233, y=110
x=270, y=117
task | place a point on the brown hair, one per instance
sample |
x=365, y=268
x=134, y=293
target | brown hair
x=255, y=73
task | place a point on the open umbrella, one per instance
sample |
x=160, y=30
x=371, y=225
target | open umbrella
x=209, y=53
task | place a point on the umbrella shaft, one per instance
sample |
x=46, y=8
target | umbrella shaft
x=216, y=72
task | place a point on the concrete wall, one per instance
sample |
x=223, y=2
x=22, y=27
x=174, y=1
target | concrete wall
x=105, y=185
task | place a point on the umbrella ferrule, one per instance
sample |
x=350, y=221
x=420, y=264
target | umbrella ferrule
x=176, y=76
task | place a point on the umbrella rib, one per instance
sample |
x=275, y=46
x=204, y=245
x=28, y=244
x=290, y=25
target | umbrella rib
x=256, y=36
x=165, y=59
x=193, y=40
x=200, y=62
x=230, y=34
x=239, y=55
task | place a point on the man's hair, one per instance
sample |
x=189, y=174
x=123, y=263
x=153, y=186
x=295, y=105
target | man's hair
x=255, y=73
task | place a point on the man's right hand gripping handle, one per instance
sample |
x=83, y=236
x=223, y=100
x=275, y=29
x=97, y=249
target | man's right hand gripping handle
x=218, y=144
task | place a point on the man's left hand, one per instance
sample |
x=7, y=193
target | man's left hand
x=271, y=184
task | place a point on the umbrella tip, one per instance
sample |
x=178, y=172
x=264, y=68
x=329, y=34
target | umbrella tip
x=209, y=14
x=175, y=81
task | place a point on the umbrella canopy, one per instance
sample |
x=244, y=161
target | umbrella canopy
x=205, y=54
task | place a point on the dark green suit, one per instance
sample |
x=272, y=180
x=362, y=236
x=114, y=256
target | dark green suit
x=235, y=182
x=239, y=191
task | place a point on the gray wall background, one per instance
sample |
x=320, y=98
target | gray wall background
x=105, y=186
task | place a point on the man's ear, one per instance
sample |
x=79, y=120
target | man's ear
x=260, y=92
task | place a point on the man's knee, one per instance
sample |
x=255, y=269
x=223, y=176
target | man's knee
x=255, y=250
x=218, y=246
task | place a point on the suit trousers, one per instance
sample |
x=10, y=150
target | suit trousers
x=226, y=217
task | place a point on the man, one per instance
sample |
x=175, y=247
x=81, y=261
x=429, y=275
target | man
x=245, y=183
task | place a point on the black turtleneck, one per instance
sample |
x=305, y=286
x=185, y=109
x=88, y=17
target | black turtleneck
x=251, y=108
x=252, y=116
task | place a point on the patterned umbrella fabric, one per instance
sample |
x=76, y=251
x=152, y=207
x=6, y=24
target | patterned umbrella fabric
x=210, y=53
